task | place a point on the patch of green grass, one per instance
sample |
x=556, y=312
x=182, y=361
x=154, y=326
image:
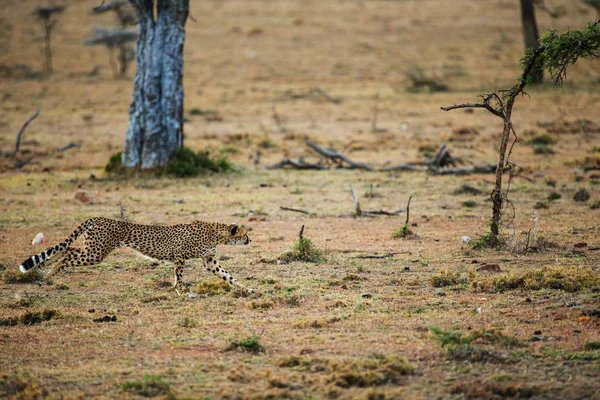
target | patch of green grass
x=303, y=250
x=467, y=347
x=469, y=203
x=229, y=149
x=569, y=279
x=591, y=346
x=249, y=345
x=543, y=149
x=467, y=189
x=149, y=386
x=543, y=139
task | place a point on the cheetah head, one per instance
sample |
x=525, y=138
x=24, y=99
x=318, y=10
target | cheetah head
x=237, y=234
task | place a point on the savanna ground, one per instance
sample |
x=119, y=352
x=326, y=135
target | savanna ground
x=513, y=323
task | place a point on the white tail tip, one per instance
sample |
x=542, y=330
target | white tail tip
x=22, y=268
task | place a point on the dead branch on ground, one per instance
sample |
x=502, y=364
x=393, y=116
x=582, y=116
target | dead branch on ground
x=336, y=157
x=300, y=164
x=388, y=255
x=294, y=210
x=361, y=213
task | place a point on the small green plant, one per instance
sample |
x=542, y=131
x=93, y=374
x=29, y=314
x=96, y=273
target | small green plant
x=302, y=250
x=449, y=338
x=149, y=386
x=114, y=163
x=540, y=205
x=249, y=345
x=402, y=232
x=229, y=149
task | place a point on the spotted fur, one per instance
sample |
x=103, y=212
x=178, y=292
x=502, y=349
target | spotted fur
x=175, y=243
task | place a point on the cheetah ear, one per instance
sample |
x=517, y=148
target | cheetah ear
x=234, y=229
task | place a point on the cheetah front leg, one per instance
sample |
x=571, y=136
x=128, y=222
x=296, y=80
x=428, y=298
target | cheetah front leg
x=211, y=263
x=178, y=269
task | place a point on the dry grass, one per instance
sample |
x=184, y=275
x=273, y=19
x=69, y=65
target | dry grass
x=342, y=328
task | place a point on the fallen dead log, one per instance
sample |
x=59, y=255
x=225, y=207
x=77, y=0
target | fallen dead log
x=337, y=157
x=465, y=170
x=300, y=164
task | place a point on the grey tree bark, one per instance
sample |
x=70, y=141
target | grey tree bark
x=155, y=129
x=531, y=35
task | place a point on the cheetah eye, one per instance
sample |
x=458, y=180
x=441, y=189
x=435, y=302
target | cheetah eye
x=234, y=229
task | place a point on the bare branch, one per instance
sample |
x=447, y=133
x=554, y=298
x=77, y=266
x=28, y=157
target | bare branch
x=294, y=210
x=18, y=143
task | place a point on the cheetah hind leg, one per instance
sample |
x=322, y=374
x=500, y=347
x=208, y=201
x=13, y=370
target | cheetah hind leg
x=213, y=266
x=70, y=257
x=77, y=257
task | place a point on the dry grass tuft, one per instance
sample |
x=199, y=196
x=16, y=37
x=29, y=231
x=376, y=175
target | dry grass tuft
x=12, y=276
x=447, y=278
x=212, y=288
x=30, y=318
x=569, y=279
x=491, y=390
x=17, y=386
x=149, y=386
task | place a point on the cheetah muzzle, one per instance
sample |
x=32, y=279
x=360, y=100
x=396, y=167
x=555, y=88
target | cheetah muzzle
x=175, y=243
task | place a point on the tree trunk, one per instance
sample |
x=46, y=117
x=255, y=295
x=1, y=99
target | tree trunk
x=530, y=34
x=155, y=129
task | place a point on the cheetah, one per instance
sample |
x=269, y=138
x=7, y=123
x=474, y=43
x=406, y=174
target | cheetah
x=175, y=243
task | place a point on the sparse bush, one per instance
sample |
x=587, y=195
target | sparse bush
x=302, y=250
x=540, y=205
x=249, y=344
x=467, y=189
x=149, y=386
x=30, y=318
x=543, y=149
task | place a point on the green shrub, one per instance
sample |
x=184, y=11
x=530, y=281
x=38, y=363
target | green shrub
x=114, y=163
x=186, y=163
x=402, y=232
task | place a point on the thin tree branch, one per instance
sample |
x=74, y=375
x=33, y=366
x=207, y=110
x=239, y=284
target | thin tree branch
x=20, y=134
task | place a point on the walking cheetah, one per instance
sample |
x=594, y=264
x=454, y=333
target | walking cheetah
x=175, y=243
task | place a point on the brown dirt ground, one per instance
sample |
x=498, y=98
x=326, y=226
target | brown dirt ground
x=340, y=318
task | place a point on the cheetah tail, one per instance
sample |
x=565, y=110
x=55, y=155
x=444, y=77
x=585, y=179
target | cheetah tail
x=53, y=251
